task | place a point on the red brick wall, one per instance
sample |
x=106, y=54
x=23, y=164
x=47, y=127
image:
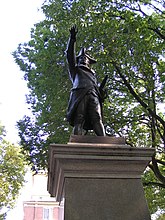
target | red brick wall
x=55, y=213
x=33, y=213
x=36, y=213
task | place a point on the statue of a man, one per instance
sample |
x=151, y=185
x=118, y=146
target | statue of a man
x=85, y=104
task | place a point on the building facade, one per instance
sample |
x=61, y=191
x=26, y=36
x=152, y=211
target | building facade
x=39, y=205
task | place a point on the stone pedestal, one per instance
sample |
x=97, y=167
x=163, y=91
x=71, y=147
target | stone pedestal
x=99, y=181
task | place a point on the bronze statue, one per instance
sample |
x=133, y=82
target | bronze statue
x=85, y=104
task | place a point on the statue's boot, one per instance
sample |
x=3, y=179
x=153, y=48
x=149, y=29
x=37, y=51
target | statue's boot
x=99, y=128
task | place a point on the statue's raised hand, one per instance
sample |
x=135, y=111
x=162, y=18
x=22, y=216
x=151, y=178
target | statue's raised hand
x=73, y=32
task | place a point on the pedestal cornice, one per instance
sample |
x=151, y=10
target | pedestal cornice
x=115, y=160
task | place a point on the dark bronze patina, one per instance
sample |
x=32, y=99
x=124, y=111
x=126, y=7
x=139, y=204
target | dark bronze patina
x=85, y=104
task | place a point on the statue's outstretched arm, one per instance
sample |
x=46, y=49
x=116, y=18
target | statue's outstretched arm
x=71, y=56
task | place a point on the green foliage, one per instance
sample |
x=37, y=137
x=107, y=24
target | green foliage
x=127, y=39
x=12, y=171
x=161, y=217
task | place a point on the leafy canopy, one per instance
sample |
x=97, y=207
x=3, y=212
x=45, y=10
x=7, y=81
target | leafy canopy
x=12, y=171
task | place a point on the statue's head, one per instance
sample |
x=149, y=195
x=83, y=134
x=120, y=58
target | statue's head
x=84, y=58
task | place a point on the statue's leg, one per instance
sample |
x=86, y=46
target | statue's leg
x=79, y=118
x=78, y=124
x=94, y=110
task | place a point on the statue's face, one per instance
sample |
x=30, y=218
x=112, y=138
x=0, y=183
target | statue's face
x=83, y=60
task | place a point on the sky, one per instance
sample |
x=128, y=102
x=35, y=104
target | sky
x=17, y=17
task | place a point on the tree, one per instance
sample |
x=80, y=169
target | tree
x=12, y=171
x=128, y=38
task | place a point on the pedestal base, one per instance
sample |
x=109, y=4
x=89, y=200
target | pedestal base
x=105, y=199
x=99, y=181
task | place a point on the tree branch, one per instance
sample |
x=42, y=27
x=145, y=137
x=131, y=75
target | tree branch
x=154, y=184
x=136, y=96
x=154, y=167
x=157, y=31
x=160, y=161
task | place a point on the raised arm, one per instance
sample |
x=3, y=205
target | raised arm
x=71, y=56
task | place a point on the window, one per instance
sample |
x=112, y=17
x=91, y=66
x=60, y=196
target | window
x=46, y=214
